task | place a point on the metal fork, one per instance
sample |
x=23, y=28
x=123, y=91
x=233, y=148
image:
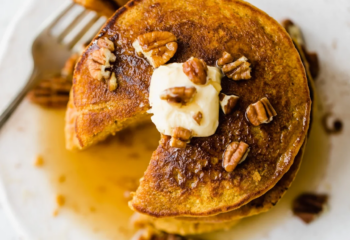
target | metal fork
x=50, y=50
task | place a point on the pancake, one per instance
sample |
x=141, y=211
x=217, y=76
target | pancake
x=198, y=225
x=169, y=225
x=182, y=226
x=191, y=181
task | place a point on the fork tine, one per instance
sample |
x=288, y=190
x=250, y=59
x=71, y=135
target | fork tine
x=71, y=26
x=82, y=31
x=60, y=14
x=90, y=34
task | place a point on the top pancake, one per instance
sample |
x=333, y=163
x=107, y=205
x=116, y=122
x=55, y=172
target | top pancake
x=191, y=181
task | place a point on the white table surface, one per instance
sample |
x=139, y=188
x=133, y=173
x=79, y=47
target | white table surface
x=8, y=10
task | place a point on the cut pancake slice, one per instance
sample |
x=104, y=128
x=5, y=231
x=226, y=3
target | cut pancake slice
x=189, y=225
x=192, y=181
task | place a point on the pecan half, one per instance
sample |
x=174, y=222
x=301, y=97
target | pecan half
x=151, y=40
x=260, y=112
x=238, y=70
x=235, y=154
x=294, y=31
x=296, y=34
x=308, y=206
x=196, y=70
x=158, y=47
x=100, y=60
x=228, y=102
x=179, y=95
x=312, y=59
x=162, y=55
x=53, y=92
x=180, y=137
x=198, y=117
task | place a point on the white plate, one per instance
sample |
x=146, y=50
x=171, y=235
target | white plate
x=29, y=192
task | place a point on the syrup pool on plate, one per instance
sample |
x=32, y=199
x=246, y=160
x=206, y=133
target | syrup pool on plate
x=96, y=183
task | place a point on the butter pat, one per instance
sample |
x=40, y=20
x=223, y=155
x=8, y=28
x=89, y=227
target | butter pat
x=167, y=116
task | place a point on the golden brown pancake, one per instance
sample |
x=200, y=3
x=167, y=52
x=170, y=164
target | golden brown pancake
x=191, y=181
x=198, y=225
x=259, y=205
x=173, y=226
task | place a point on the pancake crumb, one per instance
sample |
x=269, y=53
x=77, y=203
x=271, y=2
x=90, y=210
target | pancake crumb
x=256, y=177
x=39, y=161
x=308, y=206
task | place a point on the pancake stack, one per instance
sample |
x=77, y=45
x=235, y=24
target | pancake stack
x=187, y=190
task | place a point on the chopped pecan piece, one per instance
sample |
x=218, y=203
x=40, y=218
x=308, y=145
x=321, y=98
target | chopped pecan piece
x=179, y=95
x=235, y=153
x=238, y=70
x=164, y=139
x=196, y=70
x=260, y=112
x=112, y=83
x=100, y=61
x=177, y=143
x=97, y=70
x=308, y=206
x=198, y=117
x=182, y=133
x=103, y=56
x=228, y=102
x=180, y=137
x=105, y=43
x=225, y=59
x=158, y=47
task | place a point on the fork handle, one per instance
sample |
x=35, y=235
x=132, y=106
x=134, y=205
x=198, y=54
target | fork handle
x=15, y=102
